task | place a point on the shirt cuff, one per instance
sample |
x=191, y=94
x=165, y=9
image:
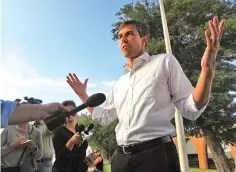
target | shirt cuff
x=7, y=107
x=190, y=103
x=97, y=112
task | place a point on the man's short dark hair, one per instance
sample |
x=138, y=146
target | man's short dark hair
x=141, y=27
x=69, y=102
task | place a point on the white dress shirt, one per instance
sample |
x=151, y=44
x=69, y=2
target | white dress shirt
x=144, y=99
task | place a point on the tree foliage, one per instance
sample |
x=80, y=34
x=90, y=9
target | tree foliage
x=187, y=20
x=103, y=136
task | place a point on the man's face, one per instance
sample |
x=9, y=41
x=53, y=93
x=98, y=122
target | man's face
x=71, y=118
x=131, y=44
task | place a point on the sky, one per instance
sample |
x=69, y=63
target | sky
x=43, y=41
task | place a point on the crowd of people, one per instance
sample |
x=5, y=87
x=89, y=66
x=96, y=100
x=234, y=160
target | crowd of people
x=31, y=147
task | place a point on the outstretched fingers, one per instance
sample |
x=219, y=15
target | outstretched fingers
x=72, y=79
x=221, y=27
x=216, y=24
x=208, y=39
x=213, y=32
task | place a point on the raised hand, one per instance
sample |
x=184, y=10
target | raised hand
x=213, y=39
x=76, y=138
x=21, y=139
x=19, y=142
x=78, y=87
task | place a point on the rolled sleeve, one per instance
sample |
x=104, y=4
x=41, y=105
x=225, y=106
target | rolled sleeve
x=106, y=113
x=191, y=110
x=7, y=107
x=181, y=90
x=97, y=113
x=104, y=116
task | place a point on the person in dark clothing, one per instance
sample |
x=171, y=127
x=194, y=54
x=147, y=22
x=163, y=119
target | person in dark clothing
x=69, y=148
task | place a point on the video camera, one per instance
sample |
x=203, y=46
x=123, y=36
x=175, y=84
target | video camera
x=32, y=100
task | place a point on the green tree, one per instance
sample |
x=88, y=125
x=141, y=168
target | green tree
x=187, y=21
x=85, y=119
x=103, y=136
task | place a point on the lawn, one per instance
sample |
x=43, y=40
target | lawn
x=107, y=169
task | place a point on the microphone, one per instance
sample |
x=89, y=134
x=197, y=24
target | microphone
x=90, y=127
x=59, y=117
x=80, y=128
x=86, y=134
x=93, y=101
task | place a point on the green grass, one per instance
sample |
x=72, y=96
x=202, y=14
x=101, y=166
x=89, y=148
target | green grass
x=198, y=170
x=107, y=168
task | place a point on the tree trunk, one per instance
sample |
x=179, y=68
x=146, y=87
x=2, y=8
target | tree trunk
x=218, y=154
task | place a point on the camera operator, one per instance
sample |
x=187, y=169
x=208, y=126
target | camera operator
x=66, y=141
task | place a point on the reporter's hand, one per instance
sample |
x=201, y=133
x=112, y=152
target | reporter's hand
x=32, y=146
x=18, y=143
x=76, y=139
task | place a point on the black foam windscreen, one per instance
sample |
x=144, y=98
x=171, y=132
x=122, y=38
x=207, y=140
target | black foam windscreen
x=96, y=99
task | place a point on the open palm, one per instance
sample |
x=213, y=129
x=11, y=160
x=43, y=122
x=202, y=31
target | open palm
x=213, y=39
x=78, y=87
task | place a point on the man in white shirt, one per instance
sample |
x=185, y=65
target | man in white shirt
x=144, y=100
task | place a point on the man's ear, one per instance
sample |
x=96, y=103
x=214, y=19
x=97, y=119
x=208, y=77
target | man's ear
x=145, y=40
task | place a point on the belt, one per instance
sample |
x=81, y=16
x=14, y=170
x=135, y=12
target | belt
x=138, y=147
x=44, y=159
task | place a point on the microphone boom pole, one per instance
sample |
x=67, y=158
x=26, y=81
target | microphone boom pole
x=178, y=118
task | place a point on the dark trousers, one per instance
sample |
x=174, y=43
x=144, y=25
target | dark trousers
x=162, y=158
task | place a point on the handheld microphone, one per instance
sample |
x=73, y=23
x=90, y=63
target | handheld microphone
x=59, y=117
x=80, y=128
x=90, y=127
x=93, y=101
x=86, y=134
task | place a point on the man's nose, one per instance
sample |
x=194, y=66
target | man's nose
x=124, y=39
x=122, y=42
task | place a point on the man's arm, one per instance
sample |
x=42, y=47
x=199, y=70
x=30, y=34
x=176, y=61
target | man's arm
x=181, y=89
x=201, y=94
x=105, y=114
x=7, y=107
x=32, y=112
x=84, y=98
x=98, y=159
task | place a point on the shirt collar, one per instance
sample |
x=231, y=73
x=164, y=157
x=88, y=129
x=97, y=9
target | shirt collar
x=138, y=62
